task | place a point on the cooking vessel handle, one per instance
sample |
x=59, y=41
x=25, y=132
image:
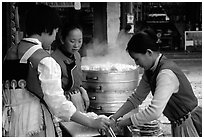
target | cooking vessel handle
x=97, y=89
x=91, y=78
x=92, y=98
x=95, y=108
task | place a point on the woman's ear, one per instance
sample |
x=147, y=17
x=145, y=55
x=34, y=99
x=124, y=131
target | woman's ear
x=149, y=52
x=61, y=40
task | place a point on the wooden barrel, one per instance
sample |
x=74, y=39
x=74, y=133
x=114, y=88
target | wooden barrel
x=109, y=90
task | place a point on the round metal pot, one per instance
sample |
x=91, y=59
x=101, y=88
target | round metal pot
x=109, y=90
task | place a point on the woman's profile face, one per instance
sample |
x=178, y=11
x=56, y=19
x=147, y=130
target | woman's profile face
x=143, y=60
x=73, y=41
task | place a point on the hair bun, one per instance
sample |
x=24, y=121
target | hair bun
x=151, y=33
x=143, y=40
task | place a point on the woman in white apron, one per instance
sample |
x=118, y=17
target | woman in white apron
x=33, y=98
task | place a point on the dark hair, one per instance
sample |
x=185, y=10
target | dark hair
x=41, y=18
x=143, y=40
x=128, y=27
x=67, y=27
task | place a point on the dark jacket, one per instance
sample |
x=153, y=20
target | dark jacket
x=71, y=69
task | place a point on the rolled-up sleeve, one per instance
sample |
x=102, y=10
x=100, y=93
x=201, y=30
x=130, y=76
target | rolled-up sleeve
x=167, y=84
x=50, y=77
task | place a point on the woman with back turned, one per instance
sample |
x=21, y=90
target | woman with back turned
x=34, y=101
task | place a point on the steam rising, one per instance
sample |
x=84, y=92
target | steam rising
x=101, y=53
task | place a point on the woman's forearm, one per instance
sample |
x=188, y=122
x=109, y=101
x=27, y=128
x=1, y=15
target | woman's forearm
x=126, y=107
x=82, y=119
x=98, y=123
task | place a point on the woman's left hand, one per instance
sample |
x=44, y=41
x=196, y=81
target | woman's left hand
x=85, y=97
x=124, y=122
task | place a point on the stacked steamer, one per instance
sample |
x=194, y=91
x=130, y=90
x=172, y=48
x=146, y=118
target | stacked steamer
x=109, y=85
x=150, y=129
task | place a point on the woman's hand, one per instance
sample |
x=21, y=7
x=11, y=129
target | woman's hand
x=112, y=120
x=77, y=100
x=124, y=122
x=101, y=123
x=85, y=97
x=93, y=121
x=114, y=124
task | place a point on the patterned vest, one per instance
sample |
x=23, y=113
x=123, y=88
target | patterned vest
x=33, y=83
x=25, y=71
x=184, y=100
